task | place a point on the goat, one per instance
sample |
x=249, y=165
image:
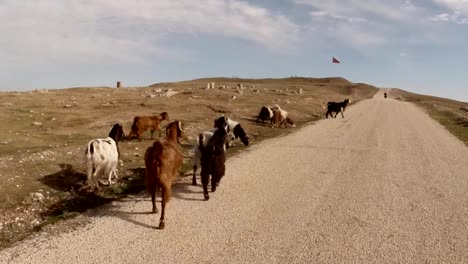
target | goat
x=203, y=138
x=102, y=156
x=266, y=113
x=163, y=161
x=337, y=107
x=234, y=130
x=213, y=158
x=143, y=123
x=281, y=117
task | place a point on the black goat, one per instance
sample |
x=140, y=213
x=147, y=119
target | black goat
x=337, y=108
x=234, y=130
x=266, y=113
x=213, y=158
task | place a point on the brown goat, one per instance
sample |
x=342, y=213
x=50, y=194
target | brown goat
x=143, y=123
x=281, y=117
x=163, y=161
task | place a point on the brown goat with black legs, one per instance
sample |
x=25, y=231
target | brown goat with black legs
x=163, y=161
x=213, y=158
x=143, y=123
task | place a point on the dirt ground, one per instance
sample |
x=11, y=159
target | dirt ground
x=386, y=184
x=45, y=133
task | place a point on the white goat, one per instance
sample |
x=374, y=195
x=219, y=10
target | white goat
x=102, y=157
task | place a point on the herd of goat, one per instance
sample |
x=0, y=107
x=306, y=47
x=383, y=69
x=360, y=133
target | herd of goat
x=164, y=158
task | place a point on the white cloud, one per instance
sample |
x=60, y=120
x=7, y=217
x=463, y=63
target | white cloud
x=458, y=8
x=356, y=37
x=444, y=17
x=364, y=24
x=351, y=24
x=454, y=18
x=324, y=14
x=90, y=30
x=397, y=10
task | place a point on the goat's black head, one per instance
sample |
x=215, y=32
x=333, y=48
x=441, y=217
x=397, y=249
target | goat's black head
x=218, y=141
x=239, y=132
x=221, y=123
x=164, y=116
x=117, y=133
x=265, y=113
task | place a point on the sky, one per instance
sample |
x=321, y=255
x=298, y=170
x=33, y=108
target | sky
x=420, y=46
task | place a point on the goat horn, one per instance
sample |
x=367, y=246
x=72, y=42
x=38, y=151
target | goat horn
x=179, y=124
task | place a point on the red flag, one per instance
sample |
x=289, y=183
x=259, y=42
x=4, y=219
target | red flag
x=335, y=60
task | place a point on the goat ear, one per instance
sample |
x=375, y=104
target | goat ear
x=167, y=130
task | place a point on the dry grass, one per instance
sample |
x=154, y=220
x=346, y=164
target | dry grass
x=446, y=111
x=41, y=166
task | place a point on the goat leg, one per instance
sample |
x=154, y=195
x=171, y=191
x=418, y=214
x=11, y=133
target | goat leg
x=166, y=195
x=116, y=175
x=214, y=183
x=205, y=177
x=205, y=192
x=90, y=178
x=110, y=177
x=194, y=178
x=163, y=208
x=95, y=180
x=153, y=200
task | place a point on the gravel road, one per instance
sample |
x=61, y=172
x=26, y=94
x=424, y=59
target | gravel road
x=386, y=184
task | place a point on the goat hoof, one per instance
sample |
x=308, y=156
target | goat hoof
x=213, y=189
x=207, y=197
x=161, y=225
x=155, y=210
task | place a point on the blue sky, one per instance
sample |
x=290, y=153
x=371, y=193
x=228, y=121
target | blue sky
x=416, y=45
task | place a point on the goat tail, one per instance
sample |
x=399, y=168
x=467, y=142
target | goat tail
x=90, y=149
x=157, y=151
x=200, y=142
x=153, y=166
